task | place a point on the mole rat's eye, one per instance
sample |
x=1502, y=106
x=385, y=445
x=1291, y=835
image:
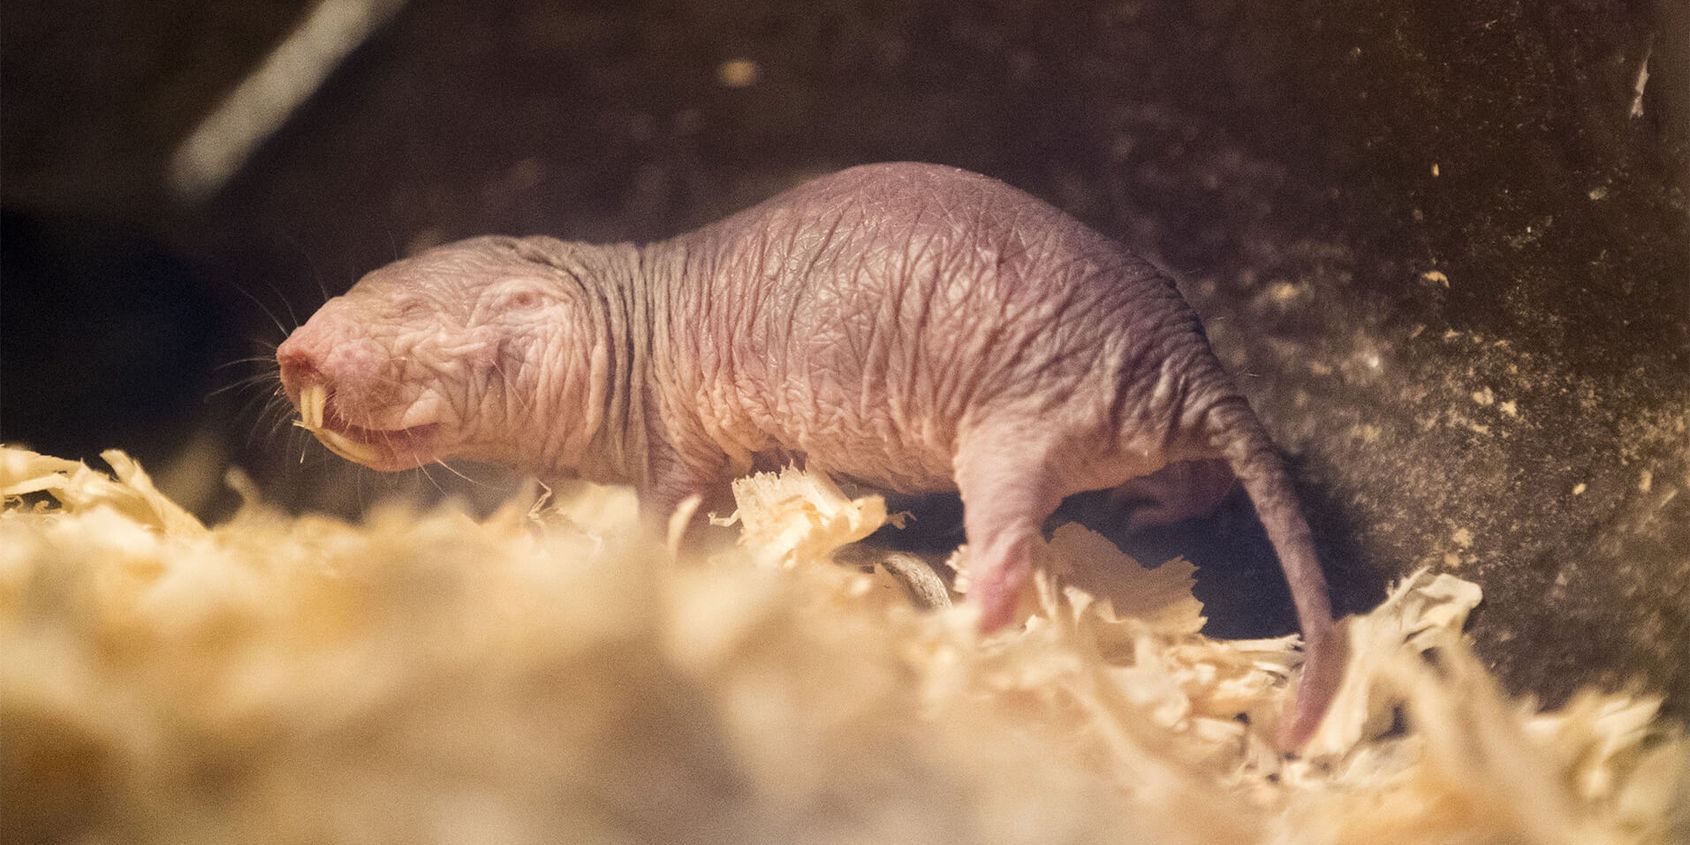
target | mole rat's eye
x=521, y=299
x=411, y=306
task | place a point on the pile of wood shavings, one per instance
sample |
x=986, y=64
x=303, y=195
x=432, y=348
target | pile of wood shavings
x=548, y=675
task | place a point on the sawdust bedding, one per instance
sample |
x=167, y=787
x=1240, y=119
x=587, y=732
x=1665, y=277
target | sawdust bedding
x=549, y=675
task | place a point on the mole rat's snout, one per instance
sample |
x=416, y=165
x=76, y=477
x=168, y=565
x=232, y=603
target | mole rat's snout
x=309, y=355
x=329, y=350
x=337, y=377
x=299, y=365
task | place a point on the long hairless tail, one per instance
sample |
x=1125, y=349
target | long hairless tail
x=1232, y=429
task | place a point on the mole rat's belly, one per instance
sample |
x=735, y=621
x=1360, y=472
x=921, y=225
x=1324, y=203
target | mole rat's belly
x=875, y=452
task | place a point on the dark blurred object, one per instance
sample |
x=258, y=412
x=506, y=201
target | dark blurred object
x=107, y=339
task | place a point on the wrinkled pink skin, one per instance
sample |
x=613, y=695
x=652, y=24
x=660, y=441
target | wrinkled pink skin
x=909, y=327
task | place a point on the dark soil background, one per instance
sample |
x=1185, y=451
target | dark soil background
x=1445, y=244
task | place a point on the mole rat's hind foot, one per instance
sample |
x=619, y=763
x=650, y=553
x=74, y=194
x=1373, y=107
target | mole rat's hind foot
x=1000, y=574
x=1007, y=494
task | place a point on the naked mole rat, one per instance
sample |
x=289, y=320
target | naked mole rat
x=906, y=326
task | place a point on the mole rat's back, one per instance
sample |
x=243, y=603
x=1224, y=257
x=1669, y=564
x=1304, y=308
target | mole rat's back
x=917, y=328
x=885, y=309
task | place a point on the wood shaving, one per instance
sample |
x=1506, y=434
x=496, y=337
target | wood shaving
x=553, y=674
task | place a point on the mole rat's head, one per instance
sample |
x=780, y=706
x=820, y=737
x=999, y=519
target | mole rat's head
x=480, y=349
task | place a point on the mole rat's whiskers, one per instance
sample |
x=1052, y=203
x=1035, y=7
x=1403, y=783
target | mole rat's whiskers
x=266, y=365
x=316, y=276
x=423, y=468
x=511, y=393
x=283, y=415
x=443, y=465
x=285, y=303
x=262, y=307
x=253, y=359
x=280, y=411
x=275, y=407
x=242, y=384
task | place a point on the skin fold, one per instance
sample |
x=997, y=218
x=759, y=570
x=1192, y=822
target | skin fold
x=908, y=327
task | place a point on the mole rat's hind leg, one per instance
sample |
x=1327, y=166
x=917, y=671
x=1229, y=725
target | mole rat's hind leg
x=1175, y=493
x=1008, y=491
